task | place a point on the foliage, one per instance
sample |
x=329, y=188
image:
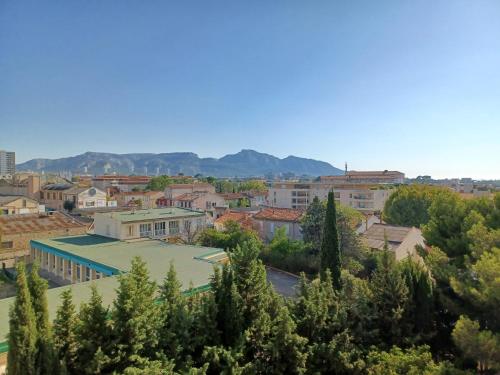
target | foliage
x=69, y=205
x=65, y=337
x=159, y=183
x=312, y=223
x=232, y=235
x=330, y=249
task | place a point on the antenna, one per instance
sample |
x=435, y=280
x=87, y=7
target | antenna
x=346, y=168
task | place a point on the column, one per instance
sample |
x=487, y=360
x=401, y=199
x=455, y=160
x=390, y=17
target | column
x=73, y=272
x=64, y=269
x=50, y=262
x=92, y=274
x=83, y=270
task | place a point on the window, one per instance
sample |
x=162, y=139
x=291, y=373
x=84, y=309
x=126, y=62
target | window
x=89, y=203
x=130, y=230
x=24, y=203
x=7, y=245
x=173, y=227
x=145, y=230
x=160, y=229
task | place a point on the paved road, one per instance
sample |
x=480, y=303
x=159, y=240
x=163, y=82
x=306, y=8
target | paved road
x=284, y=283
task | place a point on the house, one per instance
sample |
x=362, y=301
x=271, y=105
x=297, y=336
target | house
x=271, y=218
x=123, y=183
x=54, y=196
x=213, y=203
x=256, y=198
x=162, y=223
x=141, y=199
x=18, y=204
x=400, y=240
x=18, y=230
x=175, y=190
x=244, y=219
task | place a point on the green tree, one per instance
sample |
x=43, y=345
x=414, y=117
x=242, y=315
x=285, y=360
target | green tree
x=330, y=249
x=22, y=329
x=312, y=223
x=38, y=291
x=65, y=337
x=480, y=345
x=135, y=317
x=390, y=297
x=94, y=335
x=69, y=205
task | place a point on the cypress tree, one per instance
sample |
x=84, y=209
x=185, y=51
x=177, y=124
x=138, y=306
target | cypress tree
x=330, y=249
x=22, y=329
x=65, y=339
x=93, y=335
x=38, y=290
x=135, y=317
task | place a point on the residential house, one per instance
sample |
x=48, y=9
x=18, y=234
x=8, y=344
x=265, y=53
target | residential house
x=141, y=199
x=402, y=241
x=175, y=190
x=244, y=219
x=256, y=198
x=54, y=196
x=269, y=219
x=202, y=201
x=18, y=204
x=18, y=230
x=162, y=223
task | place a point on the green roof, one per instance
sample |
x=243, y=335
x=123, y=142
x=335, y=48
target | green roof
x=153, y=214
x=193, y=264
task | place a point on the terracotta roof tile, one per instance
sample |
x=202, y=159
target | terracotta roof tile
x=26, y=223
x=279, y=214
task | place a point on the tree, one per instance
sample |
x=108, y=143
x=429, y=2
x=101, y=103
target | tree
x=135, y=316
x=38, y=291
x=93, y=335
x=312, y=223
x=481, y=345
x=22, y=329
x=330, y=249
x=390, y=297
x=65, y=337
x=69, y=205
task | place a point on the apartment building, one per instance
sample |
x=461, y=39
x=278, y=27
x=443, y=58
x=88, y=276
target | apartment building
x=366, y=198
x=366, y=177
x=53, y=196
x=141, y=199
x=7, y=164
x=123, y=183
x=160, y=223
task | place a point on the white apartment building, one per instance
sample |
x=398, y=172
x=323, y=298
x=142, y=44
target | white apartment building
x=7, y=164
x=159, y=223
x=363, y=197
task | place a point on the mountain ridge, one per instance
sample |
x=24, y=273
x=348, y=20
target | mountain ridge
x=245, y=163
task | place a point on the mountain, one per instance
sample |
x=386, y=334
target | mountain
x=246, y=163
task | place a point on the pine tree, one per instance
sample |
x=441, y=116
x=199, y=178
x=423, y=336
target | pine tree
x=312, y=223
x=65, y=339
x=135, y=317
x=94, y=335
x=22, y=329
x=390, y=296
x=330, y=249
x=45, y=351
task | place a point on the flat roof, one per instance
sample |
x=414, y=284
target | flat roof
x=153, y=214
x=193, y=264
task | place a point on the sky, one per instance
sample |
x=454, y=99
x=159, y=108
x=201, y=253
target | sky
x=401, y=85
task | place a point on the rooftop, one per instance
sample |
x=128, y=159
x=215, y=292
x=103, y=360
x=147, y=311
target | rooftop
x=5, y=199
x=243, y=218
x=279, y=214
x=193, y=264
x=375, y=236
x=29, y=223
x=152, y=214
x=57, y=187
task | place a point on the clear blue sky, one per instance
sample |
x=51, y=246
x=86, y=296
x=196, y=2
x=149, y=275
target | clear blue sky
x=406, y=85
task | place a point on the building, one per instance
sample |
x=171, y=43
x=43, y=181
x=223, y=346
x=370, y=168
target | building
x=256, y=198
x=140, y=199
x=244, y=219
x=77, y=262
x=123, y=183
x=400, y=240
x=18, y=204
x=29, y=186
x=270, y=219
x=18, y=230
x=212, y=203
x=366, y=177
x=363, y=197
x=54, y=196
x=7, y=164
x=161, y=223
x=174, y=190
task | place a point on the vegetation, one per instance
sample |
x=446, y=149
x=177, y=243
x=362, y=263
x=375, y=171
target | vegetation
x=435, y=315
x=69, y=205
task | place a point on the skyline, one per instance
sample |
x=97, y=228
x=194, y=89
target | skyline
x=392, y=85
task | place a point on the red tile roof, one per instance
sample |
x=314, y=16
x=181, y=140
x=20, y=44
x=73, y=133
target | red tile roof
x=279, y=214
x=27, y=223
x=243, y=218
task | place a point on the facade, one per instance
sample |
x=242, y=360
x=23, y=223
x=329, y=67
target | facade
x=123, y=183
x=7, y=164
x=366, y=177
x=141, y=199
x=213, y=203
x=18, y=230
x=400, y=240
x=362, y=197
x=53, y=196
x=159, y=223
x=175, y=190
x=18, y=204
x=270, y=219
